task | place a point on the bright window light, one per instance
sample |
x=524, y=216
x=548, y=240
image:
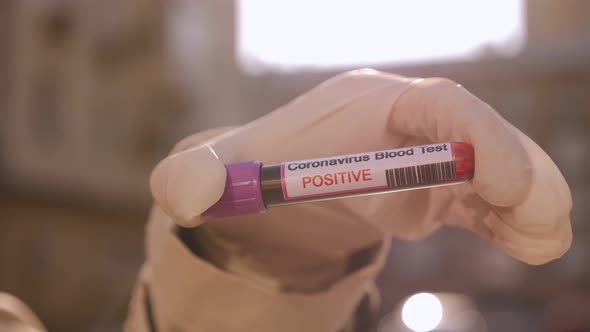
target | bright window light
x=422, y=312
x=311, y=34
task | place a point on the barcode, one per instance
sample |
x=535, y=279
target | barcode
x=420, y=175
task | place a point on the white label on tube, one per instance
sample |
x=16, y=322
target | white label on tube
x=379, y=170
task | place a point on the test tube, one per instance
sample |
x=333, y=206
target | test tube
x=252, y=187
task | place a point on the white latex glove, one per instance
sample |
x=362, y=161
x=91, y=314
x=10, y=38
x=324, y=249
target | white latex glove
x=517, y=199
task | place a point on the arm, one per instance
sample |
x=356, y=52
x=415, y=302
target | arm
x=290, y=269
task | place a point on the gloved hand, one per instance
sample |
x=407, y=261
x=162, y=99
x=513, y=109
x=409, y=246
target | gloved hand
x=517, y=199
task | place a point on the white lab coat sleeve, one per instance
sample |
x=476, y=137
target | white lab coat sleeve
x=178, y=291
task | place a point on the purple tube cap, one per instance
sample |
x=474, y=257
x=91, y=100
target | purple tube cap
x=242, y=194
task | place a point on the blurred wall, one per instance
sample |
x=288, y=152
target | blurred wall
x=95, y=92
x=89, y=105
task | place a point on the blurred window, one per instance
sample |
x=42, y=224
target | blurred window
x=327, y=34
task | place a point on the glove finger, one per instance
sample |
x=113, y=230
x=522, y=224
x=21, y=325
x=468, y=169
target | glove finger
x=543, y=218
x=536, y=230
x=441, y=110
x=190, y=180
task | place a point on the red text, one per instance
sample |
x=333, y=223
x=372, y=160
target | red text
x=330, y=179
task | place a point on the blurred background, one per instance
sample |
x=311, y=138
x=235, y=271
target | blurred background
x=93, y=93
